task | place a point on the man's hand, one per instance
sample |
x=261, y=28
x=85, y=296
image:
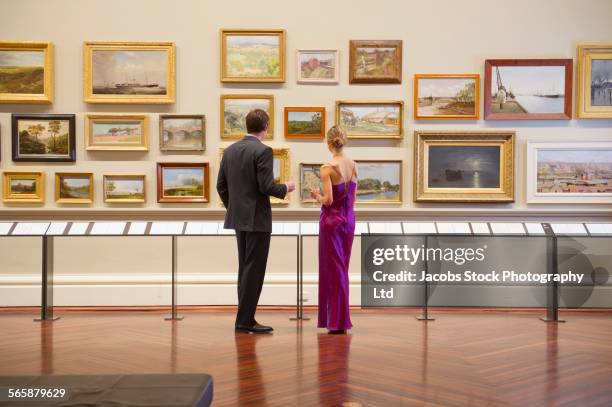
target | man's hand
x=290, y=186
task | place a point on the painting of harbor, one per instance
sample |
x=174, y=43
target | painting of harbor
x=446, y=97
x=601, y=82
x=467, y=166
x=379, y=181
x=22, y=71
x=370, y=119
x=565, y=171
x=252, y=56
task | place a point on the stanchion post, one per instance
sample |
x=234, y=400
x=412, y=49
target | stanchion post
x=425, y=315
x=552, y=300
x=174, y=316
x=46, y=304
x=299, y=308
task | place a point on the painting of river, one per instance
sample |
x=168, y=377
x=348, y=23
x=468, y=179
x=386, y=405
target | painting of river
x=463, y=167
x=379, y=181
x=446, y=97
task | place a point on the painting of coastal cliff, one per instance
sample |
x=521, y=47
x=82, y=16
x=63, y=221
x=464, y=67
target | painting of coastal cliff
x=446, y=97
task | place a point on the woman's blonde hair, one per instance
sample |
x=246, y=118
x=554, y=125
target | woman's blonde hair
x=336, y=137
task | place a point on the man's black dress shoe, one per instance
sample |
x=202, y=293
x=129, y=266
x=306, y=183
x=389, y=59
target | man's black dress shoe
x=257, y=328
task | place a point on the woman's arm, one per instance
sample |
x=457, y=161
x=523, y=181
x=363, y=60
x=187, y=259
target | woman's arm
x=327, y=197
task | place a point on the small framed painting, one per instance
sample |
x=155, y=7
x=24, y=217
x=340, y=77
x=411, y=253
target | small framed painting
x=23, y=187
x=318, y=66
x=252, y=55
x=304, y=122
x=117, y=132
x=183, y=182
x=528, y=89
x=310, y=177
x=375, y=61
x=74, y=187
x=470, y=166
x=124, y=188
x=182, y=132
x=594, y=93
x=43, y=137
x=128, y=72
x=281, y=170
x=366, y=119
x=234, y=109
x=446, y=97
x=380, y=181
x=569, y=173
x=26, y=72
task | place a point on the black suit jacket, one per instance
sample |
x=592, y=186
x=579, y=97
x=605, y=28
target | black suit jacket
x=245, y=184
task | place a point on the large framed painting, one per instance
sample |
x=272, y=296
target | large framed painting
x=594, y=92
x=23, y=187
x=446, y=96
x=117, y=132
x=304, y=122
x=234, y=109
x=129, y=72
x=124, y=188
x=183, y=182
x=318, y=66
x=182, y=132
x=469, y=166
x=74, y=187
x=375, y=61
x=368, y=119
x=43, y=137
x=569, y=173
x=26, y=72
x=379, y=182
x=252, y=55
x=310, y=177
x=528, y=89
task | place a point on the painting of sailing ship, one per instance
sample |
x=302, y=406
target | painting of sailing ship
x=601, y=82
x=468, y=166
x=439, y=96
x=379, y=181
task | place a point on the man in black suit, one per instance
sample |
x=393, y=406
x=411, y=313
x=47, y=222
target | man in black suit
x=245, y=184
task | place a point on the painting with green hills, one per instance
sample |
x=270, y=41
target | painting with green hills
x=22, y=71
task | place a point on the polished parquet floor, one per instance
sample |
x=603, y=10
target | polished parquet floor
x=463, y=358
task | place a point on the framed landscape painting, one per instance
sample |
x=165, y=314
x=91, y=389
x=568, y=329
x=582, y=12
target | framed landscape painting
x=252, y=55
x=380, y=181
x=310, y=177
x=129, y=72
x=528, y=89
x=124, y=188
x=365, y=119
x=318, y=66
x=470, y=166
x=182, y=132
x=594, y=93
x=446, y=97
x=304, y=122
x=569, y=173
x=375, y=61
x=116, y=132
x=73, y=187
x=43, y=137
x=234, y=109
x=183, y=182
x=23, y=187
x=26, y=72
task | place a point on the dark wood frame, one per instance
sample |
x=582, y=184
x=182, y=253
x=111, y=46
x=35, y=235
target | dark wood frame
x=304, y=109
x=475, y=77
x=163, y=117
x=567, y=110
x=354, y=44
x=71, y=136
x=160, y=190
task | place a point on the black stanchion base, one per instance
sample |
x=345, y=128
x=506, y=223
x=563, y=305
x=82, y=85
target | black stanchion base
x=176, y=318
x=422, y=318
x=545, y=319
x=46, y=319
x=299, y=319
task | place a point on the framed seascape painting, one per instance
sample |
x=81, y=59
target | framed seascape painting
x=124, y=188
x=182, y=132
x=594, y=93
x=252, y=55
x=375, y=61
x=23, y=187
x=310, y=177
x=43, y=137
x=528, y=89
x=73, y=187
x=26, y=72
x=304, y=122
x=446, y=97
x=380, y=181
x=365, y=119
x=234, y=109
x=470, y=166
x=116, y=132
x=318, y=66
x=569, y=173
x=129, y=72
x=183, y=182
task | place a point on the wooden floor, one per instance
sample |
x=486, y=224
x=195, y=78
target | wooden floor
x=463, y=358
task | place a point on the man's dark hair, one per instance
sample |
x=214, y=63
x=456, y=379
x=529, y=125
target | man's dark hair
x=257, y=121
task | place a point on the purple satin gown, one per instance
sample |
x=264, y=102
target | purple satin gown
x=336, y=230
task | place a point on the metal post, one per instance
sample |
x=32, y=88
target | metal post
x=425, y=315
x=174, y=316
x=46, y=304
x=299, y=313
x=552, y=309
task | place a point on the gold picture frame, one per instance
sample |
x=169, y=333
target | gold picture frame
x=379, y=196
x=355, y=129
x=584, y=92
x=46, y=95
x=33, y=193
x=112, y=88
x=62, y=190
x=227, y=132
x=231, y=77
x=141, y=197
x=94, y=142
x=489, y=183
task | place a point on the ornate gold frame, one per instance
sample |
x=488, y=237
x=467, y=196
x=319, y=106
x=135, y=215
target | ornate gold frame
x=47, y=95
x=237, y=136
x=399, y=135
x=37, y=197
x=401, y=181
x=105, y=177
x=87, y=200
x=111, y=118
x=584, y=110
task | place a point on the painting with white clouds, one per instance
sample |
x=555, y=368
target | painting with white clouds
x=446, y=96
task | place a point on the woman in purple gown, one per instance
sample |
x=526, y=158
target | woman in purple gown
x=336, y=229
